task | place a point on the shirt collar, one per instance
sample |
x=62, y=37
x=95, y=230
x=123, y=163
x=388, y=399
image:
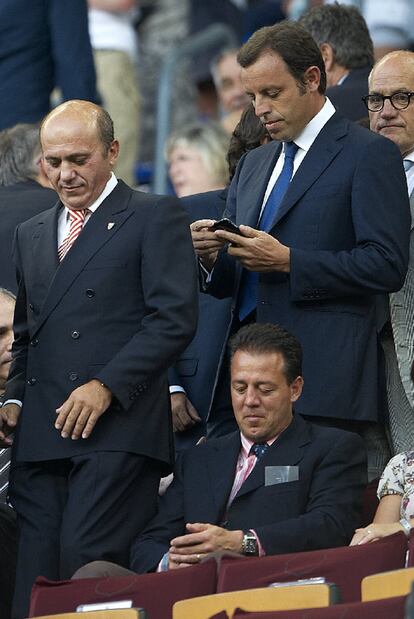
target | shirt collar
x=109, y=187
x=314, y=126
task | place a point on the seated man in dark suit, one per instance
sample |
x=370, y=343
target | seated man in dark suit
x=280, y=484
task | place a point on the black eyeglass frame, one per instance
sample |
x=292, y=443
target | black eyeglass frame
x=389, y=97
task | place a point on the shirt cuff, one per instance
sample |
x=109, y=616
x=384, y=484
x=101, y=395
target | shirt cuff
x=176, y=389
x=163, y=564
x=260, y=548
x=18, y=402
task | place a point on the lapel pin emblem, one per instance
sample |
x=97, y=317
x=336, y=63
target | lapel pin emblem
x=110, y=225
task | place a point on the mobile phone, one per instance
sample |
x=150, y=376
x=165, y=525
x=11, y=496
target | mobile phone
x=227, y=225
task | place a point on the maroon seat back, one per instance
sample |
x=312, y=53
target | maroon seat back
x=392, y=608
x=345, y=566
x=156, y=593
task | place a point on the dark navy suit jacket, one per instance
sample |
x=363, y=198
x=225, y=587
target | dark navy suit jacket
x=43, y=44
x=346, y=218
x=347, y=96
x=196, y=368
x=319, y=510
x=120, y=308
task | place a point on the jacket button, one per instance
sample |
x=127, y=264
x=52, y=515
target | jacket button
x=90, y=293
x=75, y=335
x=34, y=342
x=73, y=376
x=31, y=381
x=31, y=307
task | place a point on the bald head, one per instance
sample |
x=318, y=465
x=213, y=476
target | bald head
x=394, y=73
x=90, y=115
x=79, y=152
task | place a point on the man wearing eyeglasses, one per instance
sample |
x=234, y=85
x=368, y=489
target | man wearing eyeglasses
x=391, y=109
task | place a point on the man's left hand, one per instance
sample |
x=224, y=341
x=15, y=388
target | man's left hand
x=201, y=540
x=79, y=414
x=257, y=250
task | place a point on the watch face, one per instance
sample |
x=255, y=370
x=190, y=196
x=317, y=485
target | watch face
x=250, y=544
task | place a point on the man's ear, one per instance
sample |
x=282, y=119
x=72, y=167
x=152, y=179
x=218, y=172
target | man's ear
x=113, y=152
x=328, y=56
x=312, y=78
x=296, y=389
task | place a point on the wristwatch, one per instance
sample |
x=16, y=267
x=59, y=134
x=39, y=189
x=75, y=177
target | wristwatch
x=249, y=544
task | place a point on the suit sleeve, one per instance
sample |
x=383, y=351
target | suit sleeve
x=169, y=282
x=333, y=507
x=72, y=52
x=381, y=219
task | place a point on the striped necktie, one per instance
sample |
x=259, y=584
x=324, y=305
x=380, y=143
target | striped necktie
x=77, y=220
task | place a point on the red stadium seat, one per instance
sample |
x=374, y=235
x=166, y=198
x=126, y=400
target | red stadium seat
x=156, y=593
x=345, y=566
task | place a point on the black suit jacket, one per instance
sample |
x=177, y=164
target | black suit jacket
x=120, y=307
x=319, y=510
x=347, y=96
x=347, y=246
x=18, y=203
x=196, y=368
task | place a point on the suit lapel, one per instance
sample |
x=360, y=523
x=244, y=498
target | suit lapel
x=221, y=468
x=258, y=176
x=98, y=231
x=287, y=450
x=323, y=150
x=44, y=245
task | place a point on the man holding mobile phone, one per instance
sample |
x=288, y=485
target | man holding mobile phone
x=319, y=236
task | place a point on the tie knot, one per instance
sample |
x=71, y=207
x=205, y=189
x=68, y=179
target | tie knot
x=259, y=449
x=290, y=150
x=78, y=215
x=407, y=164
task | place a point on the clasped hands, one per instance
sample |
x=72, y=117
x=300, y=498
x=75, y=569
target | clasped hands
x=201, y=540
x=255, y=249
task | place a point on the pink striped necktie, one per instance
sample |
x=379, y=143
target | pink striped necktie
x=77, y=220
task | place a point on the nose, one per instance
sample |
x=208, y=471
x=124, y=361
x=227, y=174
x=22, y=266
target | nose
x=261, y=106
x=388, y=111
x=251, y=396
x=67, y=171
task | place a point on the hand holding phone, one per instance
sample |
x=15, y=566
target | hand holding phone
x=227, y=225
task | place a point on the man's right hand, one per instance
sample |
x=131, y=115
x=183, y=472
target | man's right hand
x=9, y=415
x=206, y=243
x=184, y=414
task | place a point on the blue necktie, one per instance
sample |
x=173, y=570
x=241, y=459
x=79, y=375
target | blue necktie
x=259, y=449
x=250, y=281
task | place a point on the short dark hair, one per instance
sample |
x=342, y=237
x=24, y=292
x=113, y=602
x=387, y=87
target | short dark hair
x=267, y=338
x=248, y=134
x=292, y=43
x=346, y=31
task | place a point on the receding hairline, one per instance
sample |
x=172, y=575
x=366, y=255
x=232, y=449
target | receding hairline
x=405, y=56
x=79, y=110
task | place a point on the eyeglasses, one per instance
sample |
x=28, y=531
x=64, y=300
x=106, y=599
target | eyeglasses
x=398, y=100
